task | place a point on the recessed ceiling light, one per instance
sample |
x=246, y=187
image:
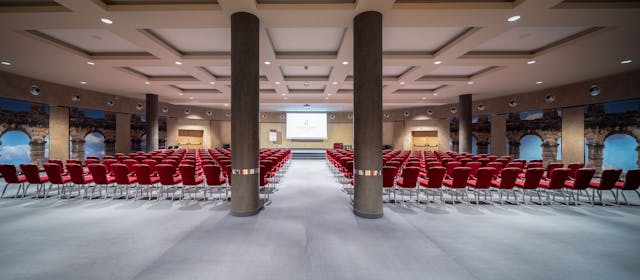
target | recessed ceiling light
x=435, y=94
x=531, y=62
x=326, y=98
x=437, y=62
x=191, y=97
x=335, y=83
x=283, y=94
x=84, y=83
x=147, y=83
x=277, y=83
x=626, y=61
x=267, y=62
x=423, y=98
x=345, y=62
x=539, y=82
x=106, y=21
x=328, y=94
x=402, y=83
x=470, y=82
x=91, y=63
x=226, y=105
x=178, y=62
x=180, y=93
x=212, y=83
x=513, y=18
x=6, y=63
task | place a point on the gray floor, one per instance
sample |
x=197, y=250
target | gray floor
x=309, y=232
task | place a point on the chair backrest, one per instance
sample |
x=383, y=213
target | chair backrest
x=460, y=176
x=436, y=176
x=583, y=178
x=90, y=161
x=143, y=173
x=515, y=164
x=32, y=173
x=212, y=174
x=121, y=173
x=534, y=165
x=484, y=161
x=608, y=179
x=532, y=178
x=558, y=178
x=99, y=173
x=166, y=172
x=452, y=165
x=188, y=174
x=76, y=173
x=151, y=163
x=552, y=166
x=474, y=165
x=9, y=173
x=129, y=163
x=484, y=175
x=497, y=166
x=54, y=172
x=508, y=177
x=410, y=176
x=632, y=180
x=574, y=168
x=388, y=176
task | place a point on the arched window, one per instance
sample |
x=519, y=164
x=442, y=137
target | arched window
x=530, y=147
x=474, y=145
x=559, y=156
x=94, y=144
x=15, y=148
x=143, y=143
x=620, y=152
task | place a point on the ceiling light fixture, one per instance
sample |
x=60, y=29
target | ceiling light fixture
x=402, y=83
x=531, y=62
x=283, y=94
x=84, y=83
x=6, y=63
x=212, y=83
x=326, y=98
x=435, y=94
x=178, y=62
x=180, y=93
x=91, y=63
x=626, y=61
x=539, y=82
x=470, y=83
x=277, y=83
x=285, y=98
x=226, y=105
x=423, y=98
x=191, y=97
x=267, y=62
x=106, y=21
x=335, y=83
x=345, y=62
x=147, y=83
x=437, y=62
x=513, y=18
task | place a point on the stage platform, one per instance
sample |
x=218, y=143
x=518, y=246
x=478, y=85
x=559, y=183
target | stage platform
x=308, y=153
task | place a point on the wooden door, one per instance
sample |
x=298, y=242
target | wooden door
x=190, y=139
x=425, y=140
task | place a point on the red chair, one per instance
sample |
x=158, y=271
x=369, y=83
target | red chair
x=167, y=180
x=574, y=168
x=189, y=180
x=583, y=178
x=54, y=172
x=389, y=174
x=607, y=182
x=32, y=172
x=508, y=177
x=450, y=166
x=129, y=163
x=435, y=176
x=124, y=182
x=516, y=164
x=497, y=166
x=409, y=181
x=145, y=180
x=152, y=165
x=264, y=181
x=460, y=175
x=11, y=177
x=531, y=183
x=101, y=178
x=214, y=180
x=551, y=167
x=474, y=165
x=76, y=172
x=631, y=183
x=482, y=183
x=558, y=177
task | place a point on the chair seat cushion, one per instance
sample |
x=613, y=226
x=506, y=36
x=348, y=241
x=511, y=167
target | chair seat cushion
x=447, y=182
x=66, y=179
x=88, y=179
x=472, y=182
x=620, y=185
x=199, y=180
x=569, y=184
x=495, y=183
x=400, y=182
x=544, y=184
x=264, y=181
x=22, y=178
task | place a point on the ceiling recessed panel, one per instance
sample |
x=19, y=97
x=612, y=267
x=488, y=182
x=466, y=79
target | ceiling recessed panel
x=456, y=70
x=197, y=40
x=415, y=86
x=394, y=71
x=418, y=39
x=194, y=86
x=527, y=39
x=155, y=2
x=306, y=85
x=306, y=40
x=219, y=71
x=306, y=70
x=160, y=71
x=93, y=40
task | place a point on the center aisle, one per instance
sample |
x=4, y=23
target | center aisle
x=307, y=232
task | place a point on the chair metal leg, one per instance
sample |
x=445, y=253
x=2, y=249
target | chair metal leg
x=4, y=190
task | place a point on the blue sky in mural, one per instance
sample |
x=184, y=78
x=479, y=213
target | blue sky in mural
x=530, y=147
x=559, y=157
x=621, y=106
x=94, y=114
x=619, y=152
x=143, y=118
x=94, y=145
x=531, y=115
x=14, y=105
x=15, y=148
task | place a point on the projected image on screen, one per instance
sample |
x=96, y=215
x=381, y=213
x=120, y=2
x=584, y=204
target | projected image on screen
x=306, y=126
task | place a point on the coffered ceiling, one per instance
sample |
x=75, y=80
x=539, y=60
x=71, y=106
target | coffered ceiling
x=434, y=50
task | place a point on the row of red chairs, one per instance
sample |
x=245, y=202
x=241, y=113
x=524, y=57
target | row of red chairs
x=187, y=171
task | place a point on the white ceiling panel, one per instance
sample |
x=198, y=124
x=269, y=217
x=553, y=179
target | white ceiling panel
x=93, y=40
x=527, y=39
x=323, y=39
x=190, y=40
x=417, y=39
x=456, y=70
x=159, y=71
x=306, y=70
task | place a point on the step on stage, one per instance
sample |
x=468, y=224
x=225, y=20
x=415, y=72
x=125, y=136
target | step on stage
x=308, y=153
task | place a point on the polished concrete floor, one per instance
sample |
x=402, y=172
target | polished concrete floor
x=309, y=232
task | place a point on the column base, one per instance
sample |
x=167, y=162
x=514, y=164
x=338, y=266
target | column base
x=244, y=214
x=367, y=215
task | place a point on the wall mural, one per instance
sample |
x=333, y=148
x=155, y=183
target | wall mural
x=91, y=133
x=480, y=134
x=24, y=129
x=612, y=134
x=138, y=132
x=534, y=134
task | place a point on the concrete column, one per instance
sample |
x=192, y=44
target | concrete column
x=367, y=114
x=498, y=135
x=172, y=131
x=464, y=126
x=444, y=134
x=153, y=122
x=123, y=133
x=573, y=135
x=245, y=114
x=58, y=132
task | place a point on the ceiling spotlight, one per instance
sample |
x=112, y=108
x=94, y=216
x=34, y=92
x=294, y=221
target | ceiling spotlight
x=594, y=90
x=283, y=94
x=212, y=83
x=191, y=97
x=277, y=83
x=539, y=82
x=84, y=83
x=435, y=94
x=513, y=103
x=481, y=107
x=267, y=62
x=429, y=112
x=91, y=63
x=187, y=111
x=226, y=105
x=165, y=109
x=178, y=62
x=139, y=106
x=470, y=83
x=423, y=98
x=306, y=84
x=453, y=110
x=328, y=94
x=110, y=103
x=531, y=62
x=345, y=62
x=35, y=90
x=335, y=83
x=75, y=98
x=147, y=83
x=437, y=62
x=106, y=21
x=209, y=113
x=285, y=98
x=180, y=93
x=550, y=98
x=401, y=83
x=6, y=63
x=326, y=98
x=626, y=61
x=513, y=18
